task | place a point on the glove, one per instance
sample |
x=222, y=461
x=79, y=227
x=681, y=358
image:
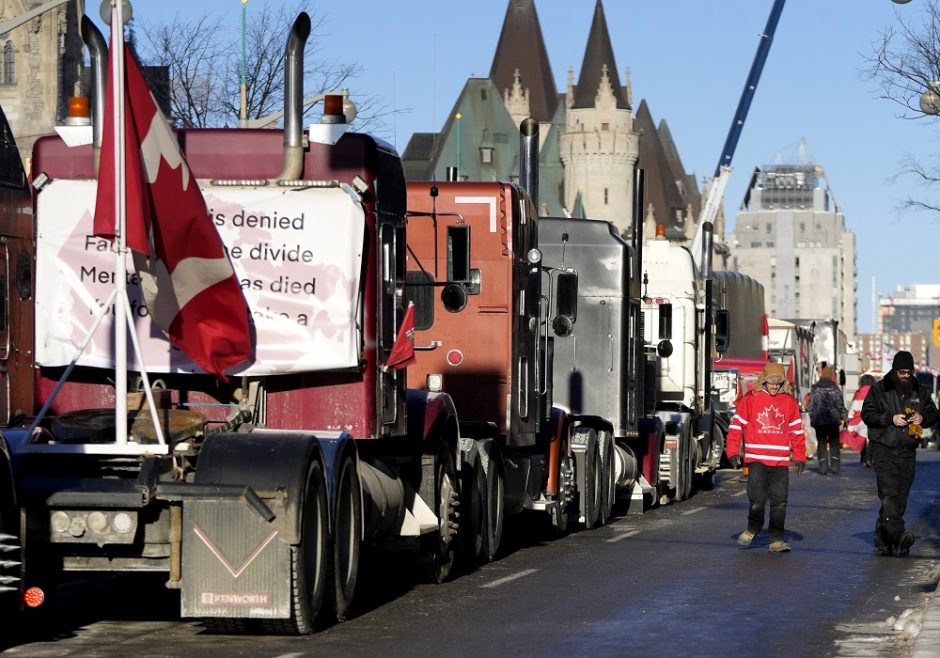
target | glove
x=735, y=462
x=799, y=467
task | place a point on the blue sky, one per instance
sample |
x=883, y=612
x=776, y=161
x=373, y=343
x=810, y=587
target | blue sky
x=689, y=60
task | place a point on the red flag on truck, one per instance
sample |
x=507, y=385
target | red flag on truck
x=403, y=351
x=188, y=283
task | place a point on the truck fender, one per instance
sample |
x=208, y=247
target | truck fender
x=7, y=489
x=273, y=463
x=432, y=417
x=553, y=432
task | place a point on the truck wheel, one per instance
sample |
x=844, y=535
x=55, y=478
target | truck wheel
x=609, y=490
x=441, y=545
x=565, y=510
x=473, y=509
x=346, y=539
x=495, y=505
x=591, y=479
x=308, y=560
x=686, y=467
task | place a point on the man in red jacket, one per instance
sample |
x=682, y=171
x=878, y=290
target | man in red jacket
x=768, y=421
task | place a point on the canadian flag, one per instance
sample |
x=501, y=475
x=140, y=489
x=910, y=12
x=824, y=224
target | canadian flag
x=403, y=351
x=188, y=283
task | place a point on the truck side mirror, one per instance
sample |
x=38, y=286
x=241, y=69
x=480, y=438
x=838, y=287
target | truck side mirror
x=722, y=331
x=566, y=303
x=458, y=254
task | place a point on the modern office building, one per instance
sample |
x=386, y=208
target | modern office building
x=911, y=308
x=791, y=236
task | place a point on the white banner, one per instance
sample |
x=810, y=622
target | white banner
x=297, y=254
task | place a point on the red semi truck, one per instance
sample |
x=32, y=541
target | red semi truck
x=255, y=502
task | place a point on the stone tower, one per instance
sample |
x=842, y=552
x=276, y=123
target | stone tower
x=599, y=145
x=521, y=70
x=41, y=64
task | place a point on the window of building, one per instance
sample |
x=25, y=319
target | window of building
x=9, y=64
x=605, y=196
x=770, y=228
x=605, y=126
x=483, y=93
x=486, y=154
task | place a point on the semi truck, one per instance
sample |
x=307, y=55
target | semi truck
x=483, y=339
x=251, y=496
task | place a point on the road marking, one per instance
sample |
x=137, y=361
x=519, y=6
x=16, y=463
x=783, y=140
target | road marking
x=623, y=536
x=693, y=510
x=501, y=581
x=740, y=493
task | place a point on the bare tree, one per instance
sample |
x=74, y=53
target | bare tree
x=205, y=64
x=905, y=60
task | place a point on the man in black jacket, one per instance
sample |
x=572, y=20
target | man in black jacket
x=896, y=408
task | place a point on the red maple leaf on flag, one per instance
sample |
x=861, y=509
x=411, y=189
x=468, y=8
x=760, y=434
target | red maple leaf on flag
x=771, y=419
x=403, y=351
x=189, y=285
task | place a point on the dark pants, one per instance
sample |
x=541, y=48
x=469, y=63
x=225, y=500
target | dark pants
x=828, y=448
x=765, y=482
x=894, y=475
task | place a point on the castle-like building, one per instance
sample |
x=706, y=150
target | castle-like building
x=591, y=140
x=41, y=66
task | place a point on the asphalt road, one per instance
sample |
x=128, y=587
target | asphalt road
x=671, y=582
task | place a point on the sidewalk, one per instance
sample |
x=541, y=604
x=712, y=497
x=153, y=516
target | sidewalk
x=927, y=642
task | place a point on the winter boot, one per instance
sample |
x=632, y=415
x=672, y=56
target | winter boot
x=779, y=546
x=745, y=538
x=905, y=543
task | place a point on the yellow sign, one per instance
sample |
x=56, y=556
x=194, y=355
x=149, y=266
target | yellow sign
x=936, y=332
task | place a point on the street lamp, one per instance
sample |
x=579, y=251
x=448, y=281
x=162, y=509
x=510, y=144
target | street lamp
x=349, y=110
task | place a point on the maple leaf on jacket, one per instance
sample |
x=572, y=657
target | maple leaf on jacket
x=770, y=419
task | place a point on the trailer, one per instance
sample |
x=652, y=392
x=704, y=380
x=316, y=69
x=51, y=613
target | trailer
x=254, y=496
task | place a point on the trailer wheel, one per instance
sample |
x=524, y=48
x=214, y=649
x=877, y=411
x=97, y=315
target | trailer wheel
x=346, y=539
x=609, y=489
x=441, y=545
x=592, y=479
x=308, y=561
x=495, y=504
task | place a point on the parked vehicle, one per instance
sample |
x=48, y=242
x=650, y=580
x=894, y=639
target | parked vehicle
x=257, y=498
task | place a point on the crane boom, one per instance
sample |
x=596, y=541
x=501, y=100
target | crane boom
x=723, y=170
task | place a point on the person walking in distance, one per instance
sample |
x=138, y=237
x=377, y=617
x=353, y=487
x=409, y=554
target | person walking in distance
x=896, y=409
x=768, y=421
x=826, y=413
x=855, y=433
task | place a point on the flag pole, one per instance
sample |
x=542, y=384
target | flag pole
x=120, y=267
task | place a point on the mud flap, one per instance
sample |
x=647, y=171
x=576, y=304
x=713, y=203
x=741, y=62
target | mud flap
x=236, y=564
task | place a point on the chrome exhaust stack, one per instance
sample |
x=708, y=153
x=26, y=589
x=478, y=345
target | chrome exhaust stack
x=293, y=98
x=98, y=49
x=529, y=159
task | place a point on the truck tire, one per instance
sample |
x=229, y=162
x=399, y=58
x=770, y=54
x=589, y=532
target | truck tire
x=346, y=539
x=441, y=545
x=686, y=465
x=590, y=478
x=609, y=490
x=565, y=509
x=494, y=503
x=472, y=509
x=308, y=561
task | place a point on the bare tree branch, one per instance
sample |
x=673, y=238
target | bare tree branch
x=205, y=63
x=905, y=60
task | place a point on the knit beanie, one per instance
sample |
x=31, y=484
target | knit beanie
x=903, y=361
